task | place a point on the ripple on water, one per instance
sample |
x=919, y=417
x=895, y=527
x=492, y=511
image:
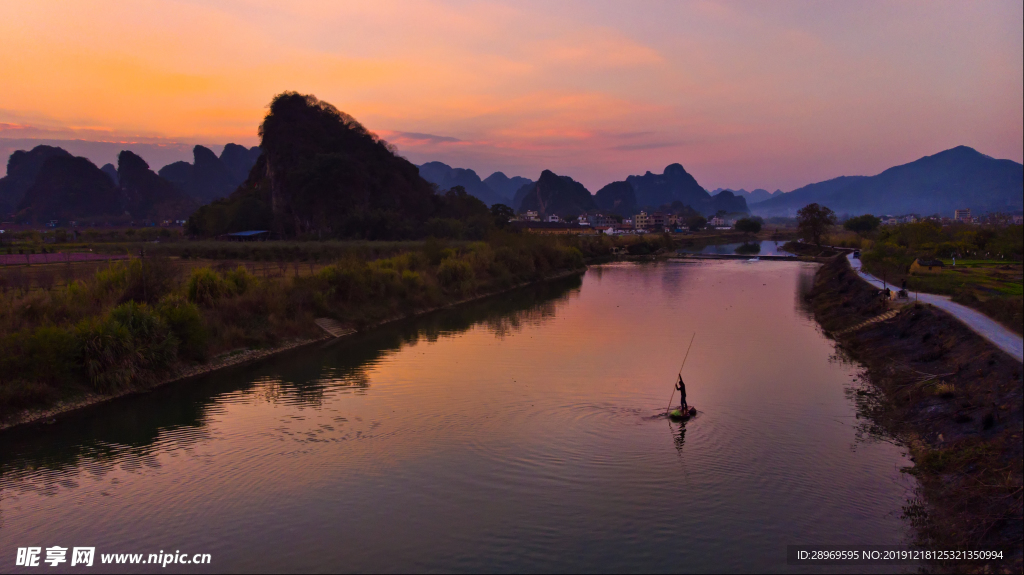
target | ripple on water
x=523, y=439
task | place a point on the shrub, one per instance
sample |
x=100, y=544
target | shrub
x=348, y=279
x=412, y=282
x=205, y=286
x=128, y=345
x=446, y=228
x=46, y=354
x=748, y=225
x=383, y=282
x=148, y=280
x=517, y=263
x=572, y=258
x=240, y=279
x=112, y=279
x=185, y=321
x=455, y=275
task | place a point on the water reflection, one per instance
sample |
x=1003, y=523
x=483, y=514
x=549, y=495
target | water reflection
x=764, y=247
x=128, y=427
x=517, y=434
x=680, y=437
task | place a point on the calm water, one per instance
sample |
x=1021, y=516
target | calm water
x=762, y=248
x=515, y=434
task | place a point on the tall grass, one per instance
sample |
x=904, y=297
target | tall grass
x=134, y=321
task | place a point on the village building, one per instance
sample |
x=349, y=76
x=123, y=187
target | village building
x=597, y=220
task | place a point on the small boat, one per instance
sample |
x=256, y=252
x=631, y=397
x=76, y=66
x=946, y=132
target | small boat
x=680, y=415
x=754, y=260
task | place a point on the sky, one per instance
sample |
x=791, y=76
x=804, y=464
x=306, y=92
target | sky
x=742, y=94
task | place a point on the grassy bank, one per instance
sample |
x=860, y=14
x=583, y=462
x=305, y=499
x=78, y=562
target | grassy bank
x=987, y=275
x=954, y=399
x=992, y=287
x=132, y=323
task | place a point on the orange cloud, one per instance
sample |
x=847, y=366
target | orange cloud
x=743, y=95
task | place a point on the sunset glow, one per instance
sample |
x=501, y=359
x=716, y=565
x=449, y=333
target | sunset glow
x=769, y=95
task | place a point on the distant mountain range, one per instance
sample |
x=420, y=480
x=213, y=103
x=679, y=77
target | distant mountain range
x=752, y=197
x=47, y=183
x=210, y=178
x=63, y=187
x=496, y=189
x=560, y=195
x=957, y=178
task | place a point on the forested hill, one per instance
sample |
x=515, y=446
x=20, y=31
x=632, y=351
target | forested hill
x=957, y=178
x=322, y=174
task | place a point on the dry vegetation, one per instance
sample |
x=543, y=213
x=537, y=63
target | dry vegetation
x=125, y=325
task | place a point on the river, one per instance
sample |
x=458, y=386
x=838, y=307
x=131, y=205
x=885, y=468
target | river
x=516, y=433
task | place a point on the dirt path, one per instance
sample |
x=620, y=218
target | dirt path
x=979, y=323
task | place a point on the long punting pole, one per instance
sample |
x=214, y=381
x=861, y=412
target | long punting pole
x=667, y=409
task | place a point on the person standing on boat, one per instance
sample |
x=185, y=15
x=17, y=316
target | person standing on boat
x=682, y=394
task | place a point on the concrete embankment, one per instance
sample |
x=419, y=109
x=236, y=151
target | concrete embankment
x=953, y=398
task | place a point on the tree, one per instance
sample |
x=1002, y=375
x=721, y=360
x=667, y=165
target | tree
x=814, y=221
x=862, y=224
x=502, y=214
x=696, y=223
x=748, y=225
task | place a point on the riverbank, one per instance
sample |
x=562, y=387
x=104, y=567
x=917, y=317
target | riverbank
x=953, y=399
x=134, y=324
x=240, y=357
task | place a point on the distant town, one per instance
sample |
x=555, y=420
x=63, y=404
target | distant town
x=682, y=223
